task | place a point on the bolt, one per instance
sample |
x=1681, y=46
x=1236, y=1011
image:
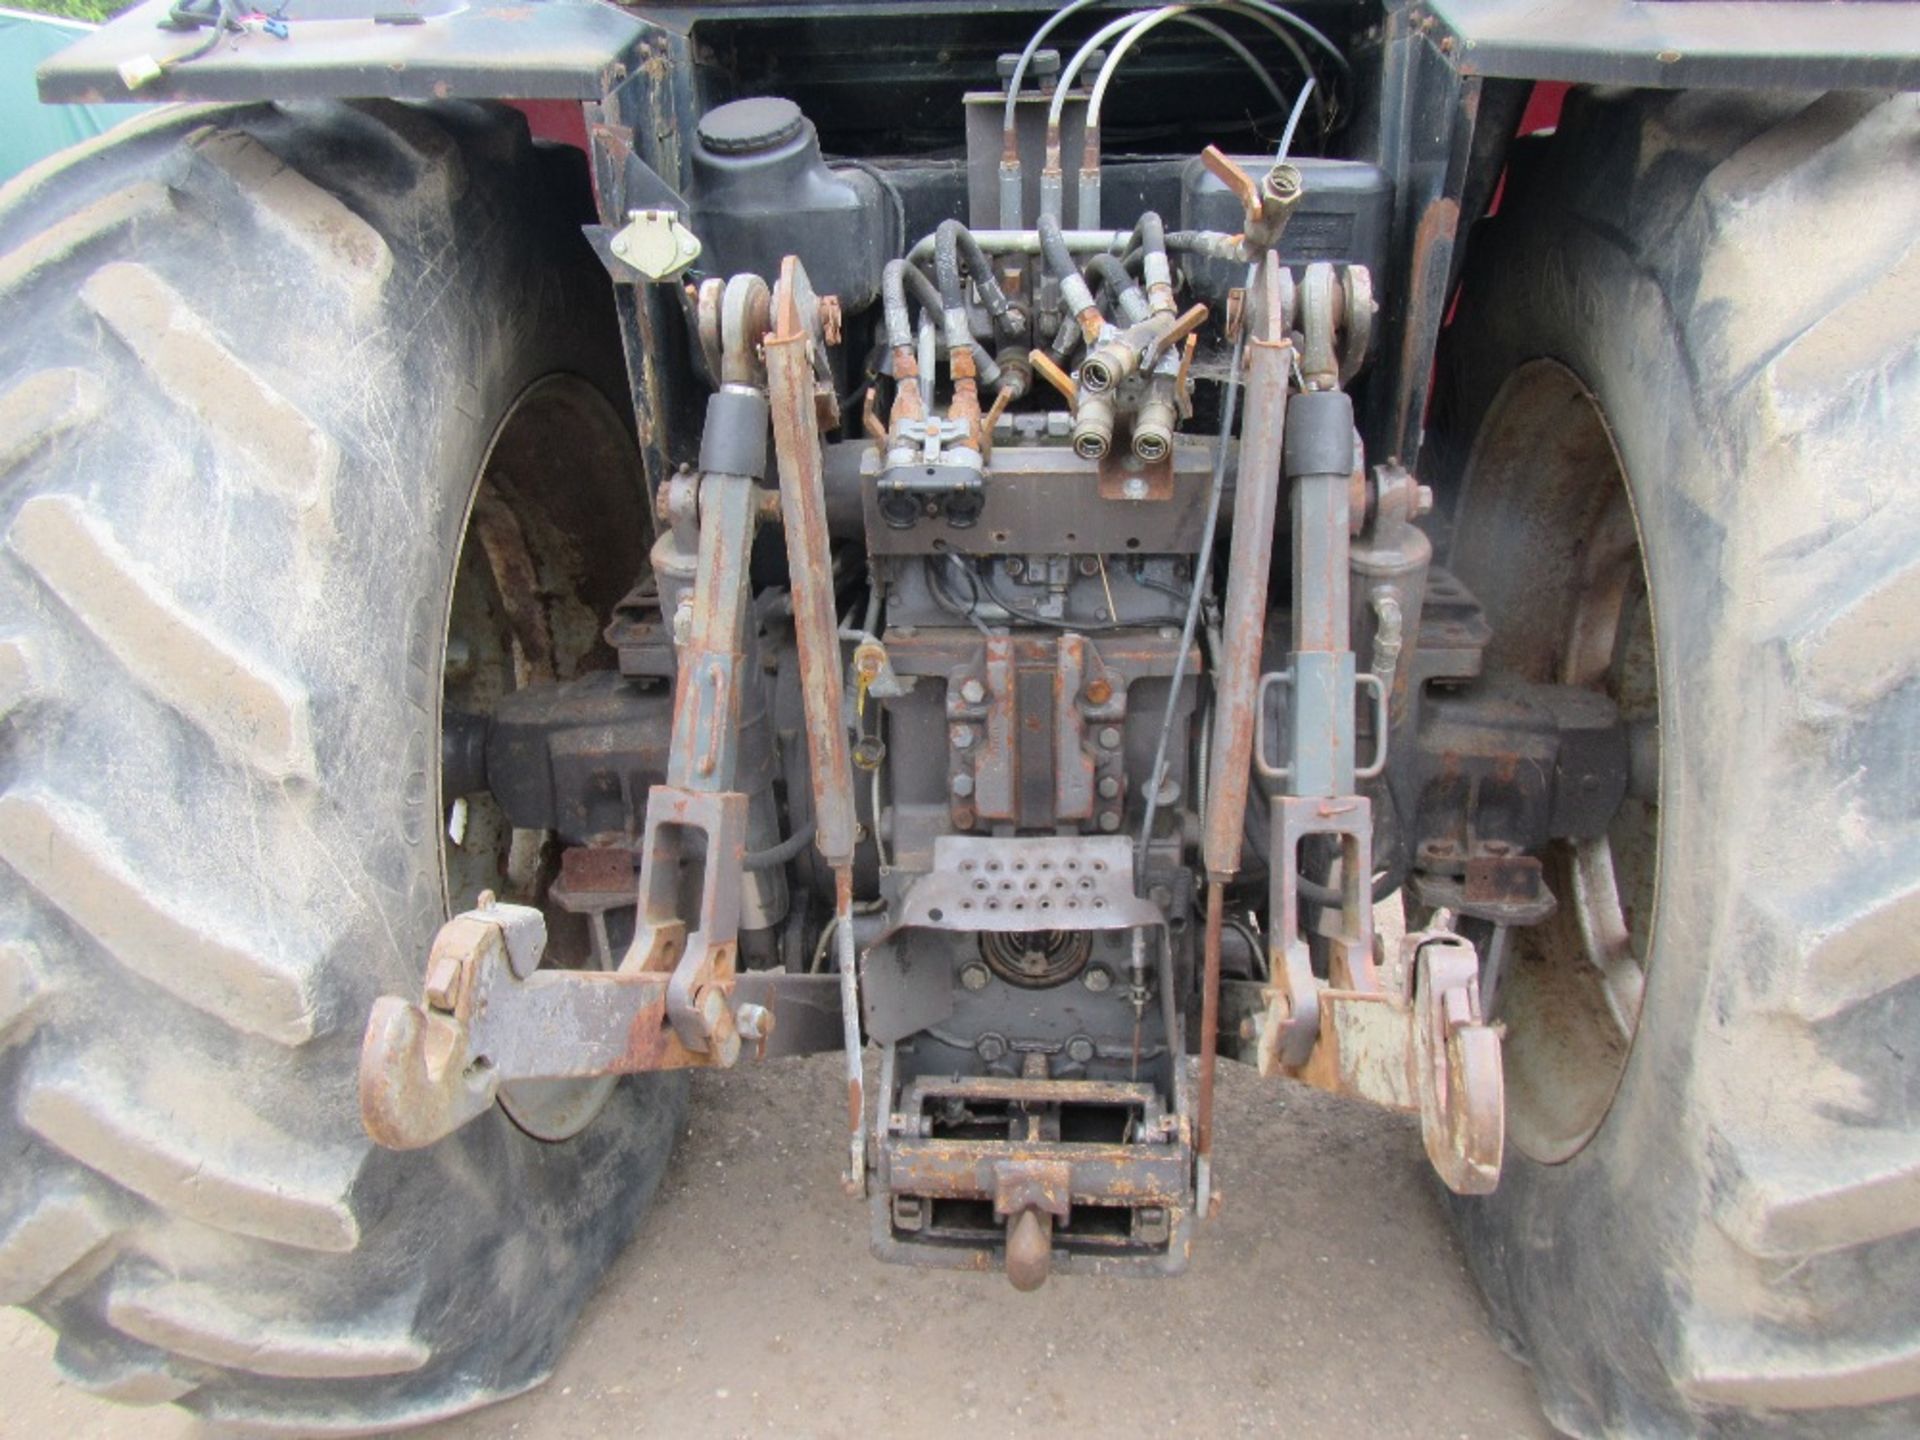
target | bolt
x=1109, y=786
x=1097, y=978
x=1099, y=692
x=1169, y=792
x=755, y=1022
x=1016, y=567
x=963, y=784
x=1080, y=1049
x=1135, y=488
x=974, y=976
x=972, y=691
x=963, y=819
x=1109, y=737
x=962, y=738
x=1109, y=822
x=990, y=1048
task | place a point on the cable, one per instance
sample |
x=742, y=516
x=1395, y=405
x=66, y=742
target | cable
x=776, y=855
x=1153, y=22
x=1008, y=123
x=1057, y=107
x=1008, y=119
x=969, y=609
x=820, y=945
x=1287, y=17
x=1293, y=123
x=226, y=18
x=1018, y=613
x=879, y=846
x=1229, y=403
x=1148, y=582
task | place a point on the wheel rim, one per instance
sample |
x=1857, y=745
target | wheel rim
x=1571, y=993
x=525, y=607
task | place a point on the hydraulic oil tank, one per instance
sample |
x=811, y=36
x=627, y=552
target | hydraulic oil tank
x=761, y=191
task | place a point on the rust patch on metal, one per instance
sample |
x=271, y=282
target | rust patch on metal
x=1124, y=476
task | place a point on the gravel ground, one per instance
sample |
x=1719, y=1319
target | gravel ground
x=1328, y=1298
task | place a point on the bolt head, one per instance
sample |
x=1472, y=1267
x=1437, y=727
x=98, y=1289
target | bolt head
x=990, y=1048
x=963, y=784
x=1099, y=692
x=1109, y=737
x=1135, y=487
x=972, y=691
x=1109, y=786
x=1109, y=822
x=974, y=976
x=1080, y=1049
x=1097, y=978
x=962, y=737
x=755, y=1022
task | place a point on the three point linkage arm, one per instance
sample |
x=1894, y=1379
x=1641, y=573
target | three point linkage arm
x=488, y=1014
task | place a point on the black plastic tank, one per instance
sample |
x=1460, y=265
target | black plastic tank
x=760, y=191
x=1343, y=216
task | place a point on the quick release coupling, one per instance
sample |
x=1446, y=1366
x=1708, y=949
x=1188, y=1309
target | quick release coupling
x=1092, y=426
x=1111, y=362
x=1153, y=426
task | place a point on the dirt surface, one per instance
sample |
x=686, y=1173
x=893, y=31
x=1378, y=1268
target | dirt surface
x=1326, y=1299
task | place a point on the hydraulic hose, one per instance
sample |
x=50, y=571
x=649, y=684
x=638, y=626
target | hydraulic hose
x=787, y=849
x=895, y=280
x=954, y=246
x=909, y=400
x=1127, y=295
x=893, y=299
x=1075, y=293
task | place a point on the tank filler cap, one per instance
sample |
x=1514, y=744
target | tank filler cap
x=750, y=127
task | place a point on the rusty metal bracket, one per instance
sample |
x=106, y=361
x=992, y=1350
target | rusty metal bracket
x=1428, y=1051
x=489, y=1016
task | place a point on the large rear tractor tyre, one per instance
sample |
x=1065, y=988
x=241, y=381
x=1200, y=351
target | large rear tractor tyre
x=260, y=367
x=1679, y=412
